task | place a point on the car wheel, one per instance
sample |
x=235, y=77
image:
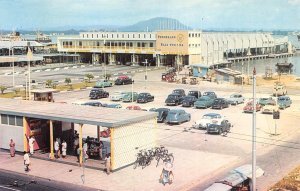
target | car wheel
x=221, y=107
x=189, y=119
x=123, y=83
x=219, y=132
x=236, y=103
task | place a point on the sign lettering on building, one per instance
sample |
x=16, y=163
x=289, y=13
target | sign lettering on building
x=172, y=42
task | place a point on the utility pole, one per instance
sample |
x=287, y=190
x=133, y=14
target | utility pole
x=254, y=133
x=248, y=54
x=146, y=74
x=29, y=56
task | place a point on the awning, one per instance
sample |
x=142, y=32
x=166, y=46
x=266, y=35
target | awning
x=246, y=170
x=218, y=187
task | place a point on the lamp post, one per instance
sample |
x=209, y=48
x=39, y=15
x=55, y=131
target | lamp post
x=146, y=74
x=254, y=133
x=248, y=54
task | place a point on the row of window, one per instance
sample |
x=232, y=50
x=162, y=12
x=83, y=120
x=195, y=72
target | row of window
x=127, y=44
x=194, y=34
x=112, y=35
x=194, y=45
x=12, y=120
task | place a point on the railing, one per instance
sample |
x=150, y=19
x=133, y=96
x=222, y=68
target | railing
x=107, y=48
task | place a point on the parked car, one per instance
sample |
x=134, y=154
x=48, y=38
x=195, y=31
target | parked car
x=162, y=114
x=114, y=105
x=213, y=95
x=133, y=107
x=219, y=103
x=130, y=97
x=93, y=103
x=266, y=101
x=208, y=119
x=284, y=102
x=203, y=102
x=103, y=83
x=279, y=89
x=219, y=128
x=236, y=99
x=248, y=108
x=195, y=93
x=123, y=80
x=269, y=108
x=177, y=116
x=145, y=98
x=179, y=91
x=174, y=99
x=188, y=101
x=117, y=96
x=97, y=93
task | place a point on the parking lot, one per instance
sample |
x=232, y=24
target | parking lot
x=236, y=145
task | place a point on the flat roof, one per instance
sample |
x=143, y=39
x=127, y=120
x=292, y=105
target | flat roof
x=107, y=117
x=46, y=90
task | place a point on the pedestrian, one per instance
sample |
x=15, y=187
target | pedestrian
x=31, y=142
x=166, y=175
x=85, y=149
x=76, y=144
x=101, y=150
x=26, y=161
x=107, y=163
x=56, y=148
x=12, y=148
x=64, y=149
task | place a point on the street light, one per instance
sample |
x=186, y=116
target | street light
x=146, y=74
x=248, y=54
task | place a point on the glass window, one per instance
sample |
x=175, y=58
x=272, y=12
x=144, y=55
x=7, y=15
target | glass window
x=144, y=35
x=11, y=120
x=92, y=35
x=139, y=35
x=151, y=44
x=19, y=121
x=138, y=44
x=80, y=43
x=132, y=35
x=82, y=35
x=4, y=119
x=122, y=35
x=87, y=35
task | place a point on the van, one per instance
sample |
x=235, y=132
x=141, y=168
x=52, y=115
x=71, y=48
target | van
x=279, y=89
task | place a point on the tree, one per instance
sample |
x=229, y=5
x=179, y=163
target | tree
x=89, y=77
x=2, y=89
x=107, y=76
x=49, y=83
x=68, y=81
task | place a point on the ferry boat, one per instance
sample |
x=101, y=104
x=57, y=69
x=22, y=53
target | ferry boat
x=42, y=38
x=14, y=36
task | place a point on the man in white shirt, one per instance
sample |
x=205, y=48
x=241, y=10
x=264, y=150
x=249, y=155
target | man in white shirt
x=26, y=161
x=31, y=144
x=56, y=148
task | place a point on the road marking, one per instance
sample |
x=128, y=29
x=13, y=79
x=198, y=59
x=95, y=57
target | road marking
x=9, y=188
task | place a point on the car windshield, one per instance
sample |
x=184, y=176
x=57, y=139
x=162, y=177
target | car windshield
x=263, y=99
x=210, y=116
x=172, y=96
x=143, y=95
x=190, y=98
x=281, y=99
x=208, y=93
x=233, y=96
x=202, y=99
x=172, y=113
x=177, y=91
x=217, y=100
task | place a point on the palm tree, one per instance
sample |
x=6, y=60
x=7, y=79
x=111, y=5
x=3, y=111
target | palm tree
x=49, y=83
x=107, y=76
x=89, y=77
x=68, y=81
x=2, y=89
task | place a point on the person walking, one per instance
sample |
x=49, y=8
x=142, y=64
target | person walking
x=12, y=148
x=107, y=163
x=76, y=144
x=31, y=142
x=26, y=161
x=85, y=148
x=64, y=149
x=56, y=148
x=101, y=150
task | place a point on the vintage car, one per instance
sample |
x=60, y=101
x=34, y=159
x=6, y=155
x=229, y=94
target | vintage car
x=266, y=101
x=145, y=98
x=93, y=103
x=219, y=103
x=208, y=119
x=269, y=108
x=174, y=99
x=177, y=116
x=130, y=97
x=188, y=101
x=203, y=102
x=123, y=80
x=195, y=93
x=103, y=83
x=117, y=96
x=213, y=95
x=162, y=114
x=133, y=107
x=179, y=91
x=248, y=108
x=114, y=105
x=236, y=99
x=219, y=127
x=97, y=93
x=284, y=102
x=279, y=89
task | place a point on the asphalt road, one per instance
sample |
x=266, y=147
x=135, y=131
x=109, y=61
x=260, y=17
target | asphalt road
x=10, y=181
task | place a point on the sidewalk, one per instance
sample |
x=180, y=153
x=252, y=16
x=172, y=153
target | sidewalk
x=189, y=166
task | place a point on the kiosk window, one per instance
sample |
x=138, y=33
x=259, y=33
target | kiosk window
x=4, y=119
x=11, y=120
x=19, y=121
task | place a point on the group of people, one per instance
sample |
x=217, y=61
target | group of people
x=60, y=148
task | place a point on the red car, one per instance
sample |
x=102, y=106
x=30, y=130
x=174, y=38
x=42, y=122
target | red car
x=133, y=107
x=248, y=108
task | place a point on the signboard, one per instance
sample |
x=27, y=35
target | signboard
x=172, y=42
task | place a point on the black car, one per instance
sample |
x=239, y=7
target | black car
x=145, y=98
x=195, y=93
x=219, y=128
x=220, y=103
x=98, y=93
x=179, y=91
x=123, y=80
x=213, y=95
x=174, y=99
x=162, y=114
x=188, y=101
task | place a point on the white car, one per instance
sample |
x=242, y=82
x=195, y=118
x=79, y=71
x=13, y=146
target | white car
x=117, y=96
x=269, y=108
x=207, y=119
x=236, y=99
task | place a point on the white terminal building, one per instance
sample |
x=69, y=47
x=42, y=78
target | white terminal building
x=173, y=47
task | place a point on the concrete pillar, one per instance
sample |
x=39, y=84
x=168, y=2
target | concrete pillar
x=158, y=60
x=80, y=144
x=112, y=149
x=25, y=133
x=51, y=140
x=98, y=132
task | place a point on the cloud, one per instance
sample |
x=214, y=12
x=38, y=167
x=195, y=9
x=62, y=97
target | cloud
x=294, y=2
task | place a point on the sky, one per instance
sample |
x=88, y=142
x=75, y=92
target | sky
x=199, y=14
